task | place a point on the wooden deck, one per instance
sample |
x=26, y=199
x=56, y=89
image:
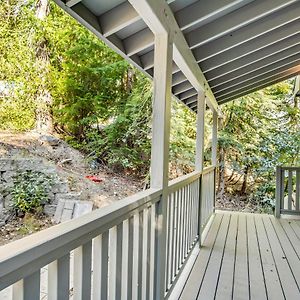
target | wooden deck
x=247, y=256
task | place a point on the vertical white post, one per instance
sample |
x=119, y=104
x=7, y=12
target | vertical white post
x=160, y=147
x=200, y=132
x=214, y=139
x=199, y=159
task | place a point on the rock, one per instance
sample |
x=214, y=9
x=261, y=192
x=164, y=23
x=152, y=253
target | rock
x=50, y=140
x=49, y=210
x=60, y=187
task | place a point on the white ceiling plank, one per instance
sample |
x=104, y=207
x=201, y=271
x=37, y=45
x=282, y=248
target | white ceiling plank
x=205, y=11
x=188, y=94
x=260, y=86
x=256, y=45
x=71, y=3
x=255, y=66
x=249, y=32
x=181, y=87
x=281, y=72
x=117, y=18
x=225, y=72
x=178, y=78
x=281, y=64
x=138, y=41
x=234, y=20
x=159, y=17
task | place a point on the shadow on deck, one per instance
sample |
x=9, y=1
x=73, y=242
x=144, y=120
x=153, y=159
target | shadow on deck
x=247, y=256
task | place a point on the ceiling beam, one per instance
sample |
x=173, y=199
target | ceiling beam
x=257, y=68
x=253, y=60
x=266, y=75
x=187, y=94
x=191, y=100
x=117, y=18
x=159, y=17
x=178, y=78
x=261, y=80
x=237, y=19
x=259, y=87
x=259, y=43
x=274, y=68
x=138, y=41
x=181, y=87
x=71, y=3
x=196, y=13
x=206, y=11
x=249, y=32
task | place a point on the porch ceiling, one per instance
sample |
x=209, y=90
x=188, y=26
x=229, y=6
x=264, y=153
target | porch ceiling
x=240, y=46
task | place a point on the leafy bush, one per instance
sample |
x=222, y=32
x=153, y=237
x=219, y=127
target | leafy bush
x=30, y=191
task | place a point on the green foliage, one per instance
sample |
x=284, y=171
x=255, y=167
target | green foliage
x=30, y=191
x=259, y=132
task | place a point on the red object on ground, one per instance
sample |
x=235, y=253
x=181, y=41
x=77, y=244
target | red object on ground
x=94, y=178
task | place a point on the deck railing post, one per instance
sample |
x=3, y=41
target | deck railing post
x=200, y=150
x=214, y=148
x=214, y=142
x=160, y=149
x=278, y=191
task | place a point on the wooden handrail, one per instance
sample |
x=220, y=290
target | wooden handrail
x=20, y=258
x=135, y=217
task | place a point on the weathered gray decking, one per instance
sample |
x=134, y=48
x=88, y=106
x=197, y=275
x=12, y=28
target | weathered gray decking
x=247, y=256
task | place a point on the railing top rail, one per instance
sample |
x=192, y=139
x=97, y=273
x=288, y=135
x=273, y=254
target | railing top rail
x=296, y=168
x=208, y=169
x=182, y=181
x=22, y=257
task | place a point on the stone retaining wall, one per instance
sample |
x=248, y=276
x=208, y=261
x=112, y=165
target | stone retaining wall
x=9, y=168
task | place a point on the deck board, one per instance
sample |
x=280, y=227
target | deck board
x=247, y=256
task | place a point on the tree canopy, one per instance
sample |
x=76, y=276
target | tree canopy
x=52, y=70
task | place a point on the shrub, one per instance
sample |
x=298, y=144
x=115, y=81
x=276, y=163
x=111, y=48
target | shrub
x=30, y=191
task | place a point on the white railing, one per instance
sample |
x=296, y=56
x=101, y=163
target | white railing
x=207, y=195
x=112, y=252
x=287, y=191
x=182, y=224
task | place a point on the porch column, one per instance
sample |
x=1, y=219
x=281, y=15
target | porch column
x=214, y=141
x=199, y=159
x=160, y=148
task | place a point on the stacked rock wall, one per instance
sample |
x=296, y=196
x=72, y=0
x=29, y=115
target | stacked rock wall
x=9, y=168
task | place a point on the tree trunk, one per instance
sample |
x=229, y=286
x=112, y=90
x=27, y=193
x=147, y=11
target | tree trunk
x=244, y=185
x=221, y=185
x=44, y=120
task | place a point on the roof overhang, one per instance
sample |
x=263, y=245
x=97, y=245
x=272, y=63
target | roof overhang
x=228, y=48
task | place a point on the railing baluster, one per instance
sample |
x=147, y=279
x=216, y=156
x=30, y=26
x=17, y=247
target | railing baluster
x=179, y=220
x=119, y=261
x=152, y=251
x=31, y=286
x=282, y=188
x=290, y=189
x=140, y=250
x=112, y=263
x=135, y=256
x=144, y=260
x=59, y=278
x=175, y=235
x=297, y=200
x=18, y=290
x=125, y=249
x=97, y=268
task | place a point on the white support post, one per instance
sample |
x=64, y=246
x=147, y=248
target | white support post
x=160, y=148
x=199, y=160
x=214, y=142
